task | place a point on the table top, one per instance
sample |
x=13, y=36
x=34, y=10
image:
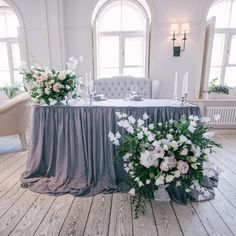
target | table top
x=125, y=103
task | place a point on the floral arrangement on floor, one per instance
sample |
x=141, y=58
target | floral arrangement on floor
x=50, y=85
x=172, y=154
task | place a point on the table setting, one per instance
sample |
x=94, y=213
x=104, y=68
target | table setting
x=74, y=144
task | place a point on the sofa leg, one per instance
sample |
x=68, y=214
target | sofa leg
x=23, y=141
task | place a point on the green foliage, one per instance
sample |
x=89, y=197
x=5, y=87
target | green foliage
x=131, y=148
x=11, y=89
x=221, y=88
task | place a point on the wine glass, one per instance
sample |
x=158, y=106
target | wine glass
x=133, y=89
x=92, y=88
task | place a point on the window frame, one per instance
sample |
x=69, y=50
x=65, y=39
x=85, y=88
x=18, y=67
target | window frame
x=122, y=35
x=229, y=33
x=9, y=41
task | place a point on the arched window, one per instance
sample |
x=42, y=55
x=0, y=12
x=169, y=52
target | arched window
x=10, y=58
x=223, y=62
x=121, y=29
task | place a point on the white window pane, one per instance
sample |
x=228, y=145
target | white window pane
x=108, y=72
x=134, y=71
x=111, y=18
x=215, y=74
x=132, y=18
x=218, y=49
x=3, y=31
x=4, y=78
x=230, y=76
x=109, y=51
x=232, y=55
x=12, y=24
x=134, y=51
x=233, y=16
x=4, y=57
x=18, y=78
x=16, y=55
x=221, y=10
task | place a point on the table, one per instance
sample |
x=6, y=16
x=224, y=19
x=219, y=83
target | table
x=69, y=150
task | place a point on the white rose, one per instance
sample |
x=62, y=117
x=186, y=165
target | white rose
x=68, y=87
x=140, y=122
x=61, y=76
x=151, y=137
x=193, y=123
x=160, y=180
x=131, y=165
x=132, y=192
x=191, y=129
x=182, y=139
x=208, y=135
x=151, y=126
x=174, y=144
x=165, y=147
x=137, y=179
x=169, y=136
x=177, y=174
x=145, y=116
x=193, y=159
x=155, y=143
x=140, y=135
x=131, y=119
x=169, y=178
x=184, y=152
x=140, y=184
x=130, y=130
x=148, y=181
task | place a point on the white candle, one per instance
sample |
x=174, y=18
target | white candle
x=90, y=76
x=183, y=87
x=186, y=83
x=176, y=83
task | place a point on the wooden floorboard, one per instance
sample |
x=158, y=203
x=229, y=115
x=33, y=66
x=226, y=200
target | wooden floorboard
x=23, y=212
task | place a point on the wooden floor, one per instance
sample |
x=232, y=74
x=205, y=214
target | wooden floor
x=23, y=212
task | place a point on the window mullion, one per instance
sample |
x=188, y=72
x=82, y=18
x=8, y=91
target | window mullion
x=122, y=53
x=10, y=61
x=225, y=58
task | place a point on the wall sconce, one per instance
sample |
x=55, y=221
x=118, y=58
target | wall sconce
x=174, y=30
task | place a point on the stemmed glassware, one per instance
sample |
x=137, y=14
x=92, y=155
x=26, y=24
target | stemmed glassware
x=133, y=89
x=91, y=90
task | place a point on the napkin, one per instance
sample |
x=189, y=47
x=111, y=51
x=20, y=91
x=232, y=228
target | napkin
x=137, y=98
x=99, y=97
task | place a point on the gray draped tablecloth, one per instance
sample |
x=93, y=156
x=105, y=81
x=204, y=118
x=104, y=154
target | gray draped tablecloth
x=69, y=150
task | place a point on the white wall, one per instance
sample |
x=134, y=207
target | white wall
x=58, y=29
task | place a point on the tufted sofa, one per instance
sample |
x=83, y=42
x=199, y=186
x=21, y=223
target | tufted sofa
x=118, y=86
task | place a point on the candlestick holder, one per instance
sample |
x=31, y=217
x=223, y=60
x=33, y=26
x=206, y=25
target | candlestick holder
x=184, y=99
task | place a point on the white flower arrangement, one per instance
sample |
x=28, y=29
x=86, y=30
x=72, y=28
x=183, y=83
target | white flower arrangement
x=50, y=85
x=170, y=154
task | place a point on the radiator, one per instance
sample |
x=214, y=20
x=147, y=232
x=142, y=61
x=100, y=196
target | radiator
x=227, y=115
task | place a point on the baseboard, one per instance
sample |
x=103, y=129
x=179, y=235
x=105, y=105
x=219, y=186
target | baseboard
x=224, y=131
